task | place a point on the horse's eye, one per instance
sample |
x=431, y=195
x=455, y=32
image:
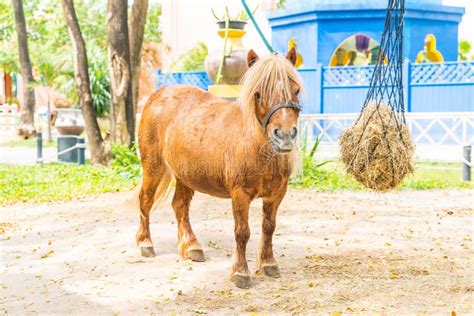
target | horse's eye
x=257, y=96
x=297, y=92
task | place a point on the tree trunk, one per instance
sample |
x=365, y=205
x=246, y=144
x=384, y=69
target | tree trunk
x=136, y=30
x=28, y=109
x=122, y=112
x=99, y=152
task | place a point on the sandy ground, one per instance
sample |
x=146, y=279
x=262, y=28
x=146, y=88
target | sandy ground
x=397, y=253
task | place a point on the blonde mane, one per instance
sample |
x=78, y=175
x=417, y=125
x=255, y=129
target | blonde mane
x=271, y=76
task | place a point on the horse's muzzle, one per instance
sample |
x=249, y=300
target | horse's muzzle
x=283, y=141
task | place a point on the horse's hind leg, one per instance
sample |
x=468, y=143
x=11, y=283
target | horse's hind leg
x=147, y=195
x=188, y=245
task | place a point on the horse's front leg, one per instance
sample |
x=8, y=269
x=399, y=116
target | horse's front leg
x=240, y=206
x=266, y=263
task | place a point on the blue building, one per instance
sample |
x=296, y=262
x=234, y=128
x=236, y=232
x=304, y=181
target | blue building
x=321, y=26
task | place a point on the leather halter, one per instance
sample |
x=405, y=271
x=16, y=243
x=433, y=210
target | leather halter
x=290, y=105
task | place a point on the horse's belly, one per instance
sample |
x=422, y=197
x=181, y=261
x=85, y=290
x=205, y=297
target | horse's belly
x=205, y=185
x=197, y=173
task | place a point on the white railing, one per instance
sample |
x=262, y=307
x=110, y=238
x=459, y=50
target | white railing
x=438, y=136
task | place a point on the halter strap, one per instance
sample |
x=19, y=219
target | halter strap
x=279, y=106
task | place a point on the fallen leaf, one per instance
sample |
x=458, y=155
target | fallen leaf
x=226, y=293
x=47, y=254
x=199, y=311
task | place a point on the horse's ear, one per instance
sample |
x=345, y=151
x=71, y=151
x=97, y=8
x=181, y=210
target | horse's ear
x=291, y=56
x=252, y=58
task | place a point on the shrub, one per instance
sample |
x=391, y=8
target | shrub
x=125, y=161
x=193, y=60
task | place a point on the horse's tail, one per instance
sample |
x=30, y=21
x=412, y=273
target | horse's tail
x=162, y=190
x=164, y=186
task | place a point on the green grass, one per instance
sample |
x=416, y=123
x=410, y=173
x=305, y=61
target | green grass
x=331, y=177
x=59, y=182
x=63, y=182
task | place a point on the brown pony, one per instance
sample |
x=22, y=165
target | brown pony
x=239, y=150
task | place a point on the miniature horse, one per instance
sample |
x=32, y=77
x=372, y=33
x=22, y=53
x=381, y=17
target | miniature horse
x=239, y=150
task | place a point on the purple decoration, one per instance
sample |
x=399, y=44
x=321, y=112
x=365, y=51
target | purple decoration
x=362, y=43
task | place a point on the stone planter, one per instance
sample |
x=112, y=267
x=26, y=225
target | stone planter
x=69, y=122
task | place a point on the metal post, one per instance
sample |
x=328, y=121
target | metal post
x=81, y=151
x=466, y=163
x=319, y=88
x=406, y=85
x=39, y=147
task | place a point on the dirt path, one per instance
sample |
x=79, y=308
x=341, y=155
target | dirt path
x=397, y=253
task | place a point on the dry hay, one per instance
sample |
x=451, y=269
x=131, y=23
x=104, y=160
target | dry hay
x=377, y=150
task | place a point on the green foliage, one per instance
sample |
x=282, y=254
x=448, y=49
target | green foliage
x=193, y=60
x=100, y=86
x=50, y=47
x=281, y=4
x=464, y=51
x=313, y=175
x=152, y=26
x=332, y=177
x=8, y=47
x=436, y=176
x=57, y=182
x=125, y=161
x=239, y=16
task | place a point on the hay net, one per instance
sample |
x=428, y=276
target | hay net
x=386, y=85
x=378, y=149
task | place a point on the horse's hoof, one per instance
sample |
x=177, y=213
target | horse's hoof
x=148, y=252
x=242, y=281
x=196, y=255
x=272, y=271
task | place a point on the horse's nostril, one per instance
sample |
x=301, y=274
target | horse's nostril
x=277, y=133
x=294, y=132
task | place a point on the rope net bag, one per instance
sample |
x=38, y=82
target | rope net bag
x=378, y=149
